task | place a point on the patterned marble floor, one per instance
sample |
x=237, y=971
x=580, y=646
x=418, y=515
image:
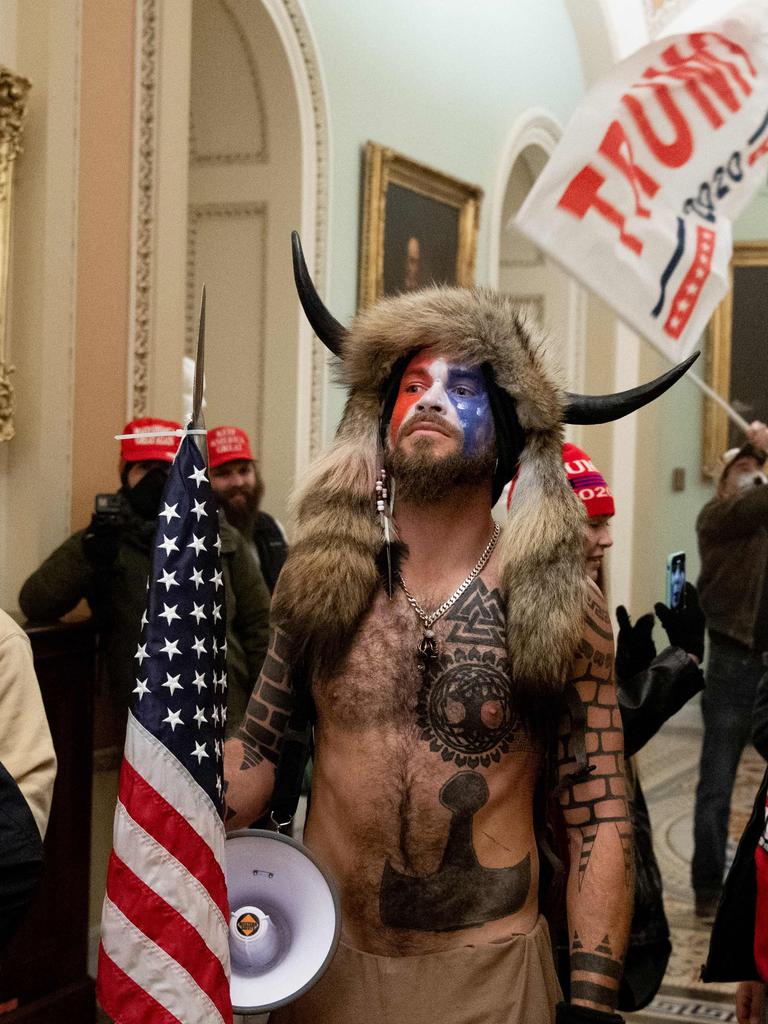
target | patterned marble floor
x=669, y=769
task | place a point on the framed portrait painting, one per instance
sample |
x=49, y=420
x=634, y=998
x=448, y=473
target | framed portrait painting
x=735, y=353
x=419, y=226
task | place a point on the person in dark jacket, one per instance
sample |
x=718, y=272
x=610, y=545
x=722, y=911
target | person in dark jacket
x=238, y=486
x=732, y=532
x=738, y=950
x=651, y=690
x=108, y=564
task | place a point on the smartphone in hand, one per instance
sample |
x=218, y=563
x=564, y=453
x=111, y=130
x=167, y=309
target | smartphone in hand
x=675, y=579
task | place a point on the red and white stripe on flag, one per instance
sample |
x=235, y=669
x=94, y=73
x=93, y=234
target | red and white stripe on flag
x=164, y=953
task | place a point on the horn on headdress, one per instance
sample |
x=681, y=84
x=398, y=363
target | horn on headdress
x=589, y=409
x=326, y=327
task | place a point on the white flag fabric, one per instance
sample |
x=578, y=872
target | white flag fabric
x=658, y=159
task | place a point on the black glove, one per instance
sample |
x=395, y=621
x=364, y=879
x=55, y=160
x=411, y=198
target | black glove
x=635, y=649
x=101, y=542
x=568, y=1013
x=685, y=625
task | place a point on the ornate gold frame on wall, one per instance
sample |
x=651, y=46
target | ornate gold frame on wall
x=384, y=167
x=718, y=359
x=13, y=98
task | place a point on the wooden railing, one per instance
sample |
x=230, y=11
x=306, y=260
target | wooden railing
x=45, y=966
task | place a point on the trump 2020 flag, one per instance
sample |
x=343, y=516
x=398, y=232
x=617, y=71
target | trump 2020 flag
x=164, y=954
x=658, y=158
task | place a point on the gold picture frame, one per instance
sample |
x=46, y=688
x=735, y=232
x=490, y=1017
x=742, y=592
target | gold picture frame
x=419, y=226
x=13, y=98
x=730, y=368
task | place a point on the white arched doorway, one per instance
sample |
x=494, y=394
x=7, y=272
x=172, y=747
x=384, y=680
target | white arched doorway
x=244, y=199
x=216, y=198
x=552, y=300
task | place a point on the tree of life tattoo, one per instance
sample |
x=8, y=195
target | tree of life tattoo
x=598, y=801
x=465, y=710
x=461, y=893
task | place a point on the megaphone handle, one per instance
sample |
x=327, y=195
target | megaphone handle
x=290, y=770
x=280, y=825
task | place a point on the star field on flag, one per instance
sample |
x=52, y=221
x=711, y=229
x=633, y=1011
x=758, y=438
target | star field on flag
x=164, y=952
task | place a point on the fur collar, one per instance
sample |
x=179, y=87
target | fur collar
x=330, y=577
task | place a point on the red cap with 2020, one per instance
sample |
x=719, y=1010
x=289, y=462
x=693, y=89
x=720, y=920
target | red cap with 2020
x=225, y=444
x=147, y=448
x=586, y=480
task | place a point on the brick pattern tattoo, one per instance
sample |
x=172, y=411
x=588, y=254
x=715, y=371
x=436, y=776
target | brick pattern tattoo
x=269, y=707
x=598, y=800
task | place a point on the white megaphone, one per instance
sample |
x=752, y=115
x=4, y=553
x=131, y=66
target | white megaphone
x=284, y=919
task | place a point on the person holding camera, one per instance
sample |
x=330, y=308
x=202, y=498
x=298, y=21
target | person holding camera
x=732, y=532
x=108, y=564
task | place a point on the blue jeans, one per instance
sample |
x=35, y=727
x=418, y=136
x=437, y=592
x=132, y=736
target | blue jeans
x=729, y=693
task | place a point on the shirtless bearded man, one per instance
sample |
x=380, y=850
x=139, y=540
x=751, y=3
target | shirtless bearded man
x=430, y=736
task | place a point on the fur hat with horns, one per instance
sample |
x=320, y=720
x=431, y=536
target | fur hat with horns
x=331, y=575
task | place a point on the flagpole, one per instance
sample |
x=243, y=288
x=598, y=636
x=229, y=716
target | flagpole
x=198, y=422
x=710, y=392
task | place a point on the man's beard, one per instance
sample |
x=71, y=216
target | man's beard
x=423, y=477
x=241, y=514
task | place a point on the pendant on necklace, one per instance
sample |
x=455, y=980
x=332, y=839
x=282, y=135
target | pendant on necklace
x=427, y=648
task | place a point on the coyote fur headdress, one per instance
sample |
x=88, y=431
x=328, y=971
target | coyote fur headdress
x=331, y=575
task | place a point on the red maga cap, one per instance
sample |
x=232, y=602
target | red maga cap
x=143, y=449
x=586, y=480
x=225, y=444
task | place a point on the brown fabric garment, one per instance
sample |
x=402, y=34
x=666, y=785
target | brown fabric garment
x=509, y=982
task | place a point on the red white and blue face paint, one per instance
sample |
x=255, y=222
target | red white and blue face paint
x=456, y=394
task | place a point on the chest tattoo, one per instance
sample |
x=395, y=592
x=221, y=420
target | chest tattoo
x=461, y=893
x=465, y=710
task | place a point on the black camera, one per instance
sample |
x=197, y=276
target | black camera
x=108, y=509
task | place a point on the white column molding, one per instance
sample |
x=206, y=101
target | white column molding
x=623, y=467
x=160, y=177
x=311, y=370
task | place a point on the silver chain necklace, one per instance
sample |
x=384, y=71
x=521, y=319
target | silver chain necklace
x=428, y=645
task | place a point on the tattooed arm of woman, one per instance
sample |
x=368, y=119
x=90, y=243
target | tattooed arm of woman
x=601, y=876
x=251, y=755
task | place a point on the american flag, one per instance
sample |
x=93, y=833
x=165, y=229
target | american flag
x=164, y=953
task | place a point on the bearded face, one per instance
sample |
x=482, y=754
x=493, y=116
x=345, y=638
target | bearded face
x=441, y=434
x=239, y=490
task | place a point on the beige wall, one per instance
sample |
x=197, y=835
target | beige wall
x=103, y=257
x=35, y=467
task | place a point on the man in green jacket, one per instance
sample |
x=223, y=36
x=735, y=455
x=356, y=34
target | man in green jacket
x=108, y=564
x=732, y=532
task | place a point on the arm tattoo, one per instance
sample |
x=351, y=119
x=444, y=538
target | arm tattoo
x=598, y=800
x=270, y=706
x=590, y=968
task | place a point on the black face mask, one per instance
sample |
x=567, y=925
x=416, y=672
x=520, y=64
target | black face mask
x=145, y=497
